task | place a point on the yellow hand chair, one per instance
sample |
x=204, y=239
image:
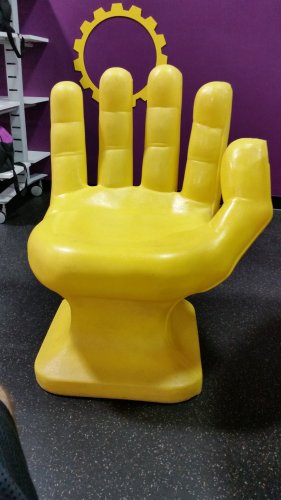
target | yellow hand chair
x=123, y=256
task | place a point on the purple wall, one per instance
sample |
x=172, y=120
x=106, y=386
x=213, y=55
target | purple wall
x=236, y=41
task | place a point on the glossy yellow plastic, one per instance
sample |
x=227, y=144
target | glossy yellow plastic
x=124, y=257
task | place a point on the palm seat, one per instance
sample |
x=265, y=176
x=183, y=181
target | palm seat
x=123, y=256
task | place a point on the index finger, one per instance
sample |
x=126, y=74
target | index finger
x=208, y=140
x=68, y=149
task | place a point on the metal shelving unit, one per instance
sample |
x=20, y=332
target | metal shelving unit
x=15, y=104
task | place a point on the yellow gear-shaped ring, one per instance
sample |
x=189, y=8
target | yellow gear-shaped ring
x=100, y=15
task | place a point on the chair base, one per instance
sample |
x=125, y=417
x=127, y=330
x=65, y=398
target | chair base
x=158, y=361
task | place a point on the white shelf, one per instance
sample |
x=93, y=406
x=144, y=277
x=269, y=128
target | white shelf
x=36, y=177
x=10, y=174
x=32, y=101
x=6, y=105
x=35, y=39
x=9, y=193
x=35, y=156
x=4, y=36
x=29, y=39
x=15, y=104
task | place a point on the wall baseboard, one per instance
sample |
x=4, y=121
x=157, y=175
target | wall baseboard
x=276, y=201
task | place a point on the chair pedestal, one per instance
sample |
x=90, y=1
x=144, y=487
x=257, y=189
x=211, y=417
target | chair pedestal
x=145, y=351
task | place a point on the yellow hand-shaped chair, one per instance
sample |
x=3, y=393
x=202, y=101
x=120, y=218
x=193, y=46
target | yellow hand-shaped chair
x=124, y=257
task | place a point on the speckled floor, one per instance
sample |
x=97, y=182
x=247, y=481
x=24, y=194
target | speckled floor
x=224, y=444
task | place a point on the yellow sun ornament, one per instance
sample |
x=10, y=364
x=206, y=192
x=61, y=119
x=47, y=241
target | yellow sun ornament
x=101, y=15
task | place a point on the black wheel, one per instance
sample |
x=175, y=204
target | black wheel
x=3, y=217
x=37, y=189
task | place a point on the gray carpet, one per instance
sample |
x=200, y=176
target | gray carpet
x=224, y=444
